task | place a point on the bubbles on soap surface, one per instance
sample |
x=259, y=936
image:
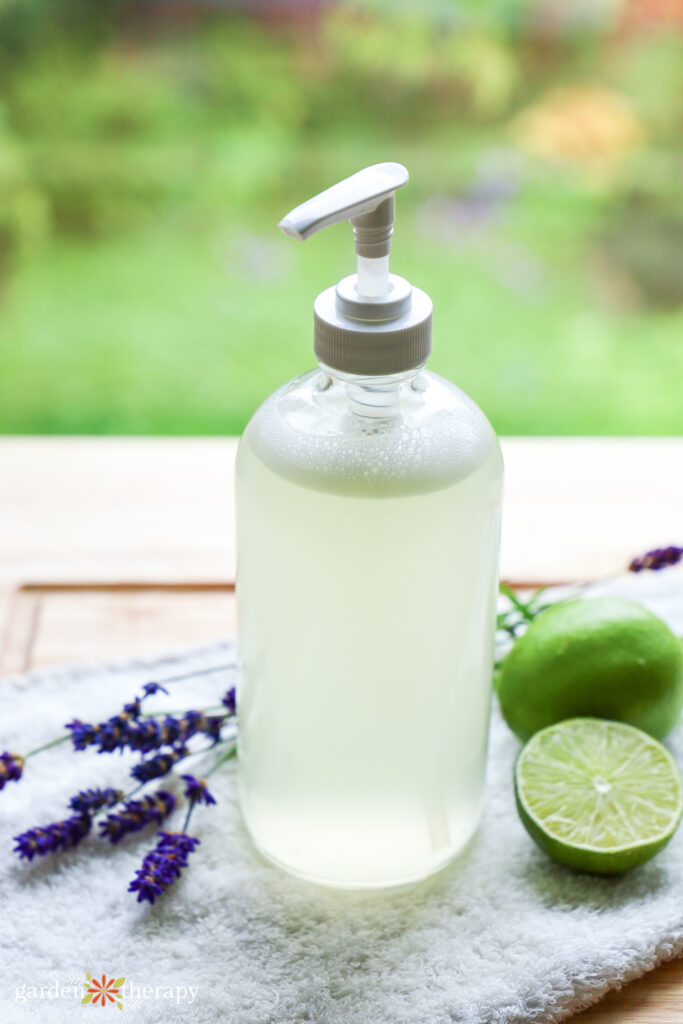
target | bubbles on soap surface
x=441, y=437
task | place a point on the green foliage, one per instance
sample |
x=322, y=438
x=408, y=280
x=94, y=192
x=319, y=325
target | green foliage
x=649, y=69
x=31, y=26
x=111, y=137
x=144, y=285
x=113, y=97
x=24, y=214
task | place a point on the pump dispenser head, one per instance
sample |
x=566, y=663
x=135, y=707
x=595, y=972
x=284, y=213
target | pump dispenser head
x=372, y=323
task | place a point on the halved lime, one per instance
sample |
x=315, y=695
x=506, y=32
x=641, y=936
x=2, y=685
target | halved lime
x=598, y=796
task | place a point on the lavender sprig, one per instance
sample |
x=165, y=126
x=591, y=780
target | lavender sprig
x=149, y=689
x=121, y=732
x=90, y=800
x=162, y=865
x=150, y=735
x=11, y=767
x=196, y=791
x=136, y=815
x=229, y=701
x=133, y=730
x=658, y=558
x=125, y=730
x=111, y=735
x=160, y=765
x=132, y=709
x=60, y=835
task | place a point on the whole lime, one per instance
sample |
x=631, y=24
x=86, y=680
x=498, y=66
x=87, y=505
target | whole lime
x=598, y=657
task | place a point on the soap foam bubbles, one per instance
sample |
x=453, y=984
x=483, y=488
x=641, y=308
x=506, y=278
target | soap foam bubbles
x=313, y=437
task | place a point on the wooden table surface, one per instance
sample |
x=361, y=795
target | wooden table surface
x=118, y=546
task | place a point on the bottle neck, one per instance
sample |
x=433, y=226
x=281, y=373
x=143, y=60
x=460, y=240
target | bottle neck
x=373, y=398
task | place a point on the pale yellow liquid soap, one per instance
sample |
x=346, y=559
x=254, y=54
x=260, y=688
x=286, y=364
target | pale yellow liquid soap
x=368, y=521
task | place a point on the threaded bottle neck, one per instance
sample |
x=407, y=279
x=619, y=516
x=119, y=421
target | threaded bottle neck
x=373, y=398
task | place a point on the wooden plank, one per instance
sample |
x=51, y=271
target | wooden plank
x=88, y=625
x=18, y=631
x=117, y=509
x=581, y=508
x=656, y=998
x=162, y=509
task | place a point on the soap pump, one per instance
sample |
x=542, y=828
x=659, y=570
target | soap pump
x=368, y=502
x=371, y=323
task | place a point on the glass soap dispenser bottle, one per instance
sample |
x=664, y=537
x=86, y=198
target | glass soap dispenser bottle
x=368, y=498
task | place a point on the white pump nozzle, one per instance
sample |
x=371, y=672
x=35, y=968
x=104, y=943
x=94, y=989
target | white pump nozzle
x=367, y=200
x=372, y=323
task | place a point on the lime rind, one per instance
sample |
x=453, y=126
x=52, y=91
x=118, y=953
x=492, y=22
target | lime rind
x=598, y=795
x=594, y=657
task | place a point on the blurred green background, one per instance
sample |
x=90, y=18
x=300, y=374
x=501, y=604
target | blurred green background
x=147, y=151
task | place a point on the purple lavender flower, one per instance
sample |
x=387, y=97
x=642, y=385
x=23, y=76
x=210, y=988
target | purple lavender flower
x=157, y=767
x=136, y=814
x=122, y=731
x=11, y=767
x=659, y=558
x=110, y=735
x=90, y=800
x=150, y=735
x=162, y=865
x=173, y=730
x=149, y=689
x=212, y=725
x=82, y=733
x=145, y=736
x=132, y=710
x=196, y=790
x=60, y=835
x=230, y=701
x=114, y=733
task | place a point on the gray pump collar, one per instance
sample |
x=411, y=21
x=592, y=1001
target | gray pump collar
x=370, y=345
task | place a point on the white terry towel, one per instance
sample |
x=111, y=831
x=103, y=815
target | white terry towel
x=503, y=936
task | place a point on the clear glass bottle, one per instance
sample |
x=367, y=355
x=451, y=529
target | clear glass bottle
x=368, y=521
